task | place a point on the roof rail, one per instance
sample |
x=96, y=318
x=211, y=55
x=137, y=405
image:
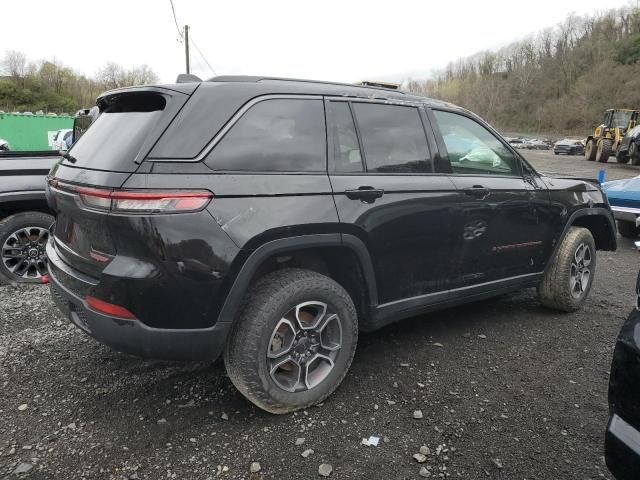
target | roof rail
x=255, y=79
x=388, y=85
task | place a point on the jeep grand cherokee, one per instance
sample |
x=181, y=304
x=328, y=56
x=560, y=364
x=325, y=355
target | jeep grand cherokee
x=271, y=220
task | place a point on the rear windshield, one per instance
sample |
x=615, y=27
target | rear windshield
x=115, y=138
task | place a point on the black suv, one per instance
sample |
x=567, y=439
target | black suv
x=274, y=219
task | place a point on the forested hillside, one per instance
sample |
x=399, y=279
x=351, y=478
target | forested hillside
x=48, y=85
x=559, y=80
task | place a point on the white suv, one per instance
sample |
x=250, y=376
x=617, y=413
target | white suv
x=62, y=139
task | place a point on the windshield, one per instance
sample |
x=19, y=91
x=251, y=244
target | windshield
x=115, y=138
x=621, y=118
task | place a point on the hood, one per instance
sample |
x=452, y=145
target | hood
x=558, y=181
x=628, y=188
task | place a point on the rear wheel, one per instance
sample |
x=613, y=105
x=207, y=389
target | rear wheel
x=23, y=238
x=293, y=341
x=568, y=278
x=590, y=150
x=634, y=154
x=627, y=229
x=603, y=150
x=622, y=157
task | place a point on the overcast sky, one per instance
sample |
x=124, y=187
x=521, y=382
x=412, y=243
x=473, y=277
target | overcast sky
x=326, y=40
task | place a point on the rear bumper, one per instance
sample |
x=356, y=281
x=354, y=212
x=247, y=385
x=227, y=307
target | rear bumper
x=622, y=449
x=134, y=337
x=626, y=214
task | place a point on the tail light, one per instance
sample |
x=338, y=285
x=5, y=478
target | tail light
x=107, y=308
x=139, y=201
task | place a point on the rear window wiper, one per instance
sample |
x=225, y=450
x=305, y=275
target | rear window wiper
x=68, y=156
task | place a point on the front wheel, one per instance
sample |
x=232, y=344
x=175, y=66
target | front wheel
x=293, y=341
x=23, y=238
x=568, y=278
x=603, y=150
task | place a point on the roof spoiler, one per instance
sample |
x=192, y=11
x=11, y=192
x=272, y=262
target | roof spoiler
x=187, y=78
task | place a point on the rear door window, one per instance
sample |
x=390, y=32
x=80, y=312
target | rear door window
x=393, y=138
x=346, y=148
x=281, y=135
x=472, y=149
x=116, y=137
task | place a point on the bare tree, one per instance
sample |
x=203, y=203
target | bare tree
x=112, y=75
x=141, y=75
x=14, y=63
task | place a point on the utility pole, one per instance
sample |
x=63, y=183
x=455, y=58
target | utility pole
x=186, y=46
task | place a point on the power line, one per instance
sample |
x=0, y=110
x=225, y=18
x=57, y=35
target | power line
x=202, y=56
x=175, y=19
x=182, y=36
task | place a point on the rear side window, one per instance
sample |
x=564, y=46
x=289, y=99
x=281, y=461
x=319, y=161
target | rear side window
x=393, y=138
x=281, y=135
x=346, y=150
x=472, y=149
x=116, y=137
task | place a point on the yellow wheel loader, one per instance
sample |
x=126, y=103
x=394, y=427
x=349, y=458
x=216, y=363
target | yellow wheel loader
x=607, y=138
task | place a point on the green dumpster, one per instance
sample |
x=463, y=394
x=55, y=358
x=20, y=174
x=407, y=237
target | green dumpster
x=31, y=132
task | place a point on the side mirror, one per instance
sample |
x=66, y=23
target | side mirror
x=83, y=121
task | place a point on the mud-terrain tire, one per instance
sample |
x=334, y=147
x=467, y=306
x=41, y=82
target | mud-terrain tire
x=603, y=152
x=263, y=321
x=558, y=289
x=627, y=229
x=21, y=232
x=590, y=150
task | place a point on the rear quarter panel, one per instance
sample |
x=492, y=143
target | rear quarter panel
x=247, y=210
x=255, y=208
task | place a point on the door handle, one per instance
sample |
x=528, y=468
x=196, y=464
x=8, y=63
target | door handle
x=477, y=191
x=364, y=194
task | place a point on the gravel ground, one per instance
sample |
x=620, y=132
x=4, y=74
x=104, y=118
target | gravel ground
x=506, y=388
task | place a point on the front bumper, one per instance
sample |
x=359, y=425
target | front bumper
x=622, y=449
x=626, y=214
x=132, y=336
x=567, y=151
